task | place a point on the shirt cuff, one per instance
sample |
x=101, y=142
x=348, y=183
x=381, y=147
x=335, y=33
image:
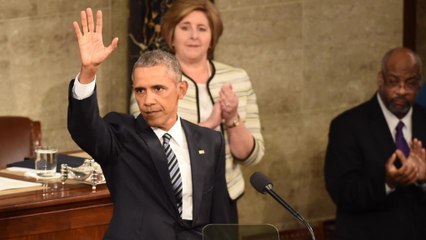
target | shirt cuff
x=389, y=190
x=421, y=185
x=82, y=91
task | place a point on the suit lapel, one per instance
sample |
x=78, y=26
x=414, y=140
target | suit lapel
x=195, y=153
x=419, y=124
x=379, y=128
x=158, y=157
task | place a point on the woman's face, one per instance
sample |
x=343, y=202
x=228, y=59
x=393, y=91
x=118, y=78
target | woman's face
x=192, y=37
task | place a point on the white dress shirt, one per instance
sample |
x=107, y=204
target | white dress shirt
x=392, y=121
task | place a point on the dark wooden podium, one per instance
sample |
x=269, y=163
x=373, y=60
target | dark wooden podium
x=56, y=211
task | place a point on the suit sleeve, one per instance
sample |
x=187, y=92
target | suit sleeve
x=88, y=129
x=220, y=205
x=354, y=172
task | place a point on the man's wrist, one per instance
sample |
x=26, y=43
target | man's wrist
x=87, y=74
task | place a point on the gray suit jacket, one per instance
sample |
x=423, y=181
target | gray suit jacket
x=135, y=167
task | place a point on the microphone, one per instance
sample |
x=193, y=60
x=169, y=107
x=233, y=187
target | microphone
x=264, y=185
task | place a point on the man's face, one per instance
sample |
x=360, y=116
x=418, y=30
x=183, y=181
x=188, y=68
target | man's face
x=157, y=94
x=399, y=86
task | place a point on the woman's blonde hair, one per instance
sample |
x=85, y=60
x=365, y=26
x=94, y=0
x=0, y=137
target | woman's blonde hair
x=180, y=9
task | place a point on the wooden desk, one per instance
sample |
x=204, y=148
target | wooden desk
x=70, y=211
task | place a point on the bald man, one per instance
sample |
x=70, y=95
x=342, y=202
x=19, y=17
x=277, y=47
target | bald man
x=375, y=161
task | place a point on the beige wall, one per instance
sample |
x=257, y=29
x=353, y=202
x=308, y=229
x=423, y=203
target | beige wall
x=39, y=56
x=308, y=60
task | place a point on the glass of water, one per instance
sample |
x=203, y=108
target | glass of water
x=45, y=161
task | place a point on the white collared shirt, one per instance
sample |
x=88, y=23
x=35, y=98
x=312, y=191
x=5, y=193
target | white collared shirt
x=392, y=121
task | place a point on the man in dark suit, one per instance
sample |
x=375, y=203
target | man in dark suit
x=373, y=172
x=150, y=202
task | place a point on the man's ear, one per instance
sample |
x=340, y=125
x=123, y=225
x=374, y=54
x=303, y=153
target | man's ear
x=182, y=88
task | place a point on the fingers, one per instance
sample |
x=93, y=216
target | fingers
x=417, y=154
x=409, y=173
x=401, y=156
x=113, y=45
x=83, y=17
x=90, y=21
x=416, y=147
x=88, y=26
x=228, y=99
x=77, y=30
x=391, y=171
x=226, y=91
x=390, y=164
x=409, y=169
x=99, y=21
x=407, y=178
x=224, y=104
x=405, y=175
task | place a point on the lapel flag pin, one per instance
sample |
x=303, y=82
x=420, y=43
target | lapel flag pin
x=201, y=151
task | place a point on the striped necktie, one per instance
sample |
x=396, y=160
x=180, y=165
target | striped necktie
x=174, y=172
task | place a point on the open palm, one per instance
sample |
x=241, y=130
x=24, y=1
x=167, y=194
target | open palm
x=92, y=49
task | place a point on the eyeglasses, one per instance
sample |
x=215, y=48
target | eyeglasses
x=410, y=84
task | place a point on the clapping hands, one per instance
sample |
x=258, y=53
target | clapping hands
x=225, y=109
x=413, y=167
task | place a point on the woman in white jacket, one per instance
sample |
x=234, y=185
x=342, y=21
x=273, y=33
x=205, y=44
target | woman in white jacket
x=219, y=96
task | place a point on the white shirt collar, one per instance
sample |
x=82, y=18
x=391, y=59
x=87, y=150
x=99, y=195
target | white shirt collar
x=177, y=133
x=393, y=120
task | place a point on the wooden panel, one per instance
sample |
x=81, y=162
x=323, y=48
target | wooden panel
x=55, y=221
x=409, y=24
x=291, y=234
x=70, y=211
x=300, y=234
x=89, y=233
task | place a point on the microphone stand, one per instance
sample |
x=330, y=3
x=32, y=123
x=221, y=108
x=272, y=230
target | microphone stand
x=271, y=192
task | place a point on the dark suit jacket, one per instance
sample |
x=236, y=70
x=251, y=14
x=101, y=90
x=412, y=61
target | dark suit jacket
x=359, y=145
x=135, y=167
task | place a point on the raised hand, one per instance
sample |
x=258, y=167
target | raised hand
x=92, y=49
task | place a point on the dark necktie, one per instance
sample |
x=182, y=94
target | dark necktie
x=400, y=142
x=174, y=172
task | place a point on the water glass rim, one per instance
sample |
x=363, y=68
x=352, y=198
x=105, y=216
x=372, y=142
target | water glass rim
x=46, y=147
